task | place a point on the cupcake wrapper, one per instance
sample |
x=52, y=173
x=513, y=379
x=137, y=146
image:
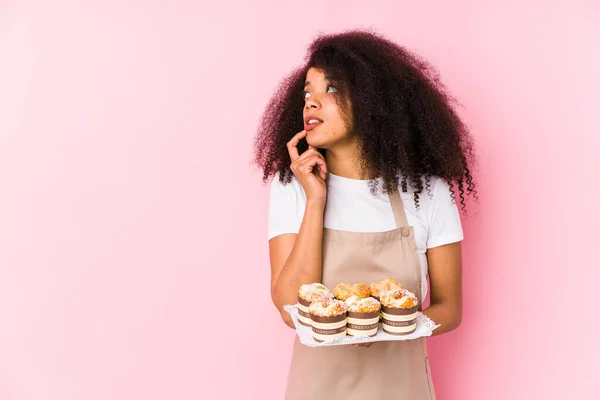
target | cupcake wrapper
x=303, y=302
x=304, y=323
x=304, y=318
x=399, y=311
x=399, y=324
x=362, y=327
x=390, y=330
x=327, y=328
x=328, y=320
x=363, y=315
x=329, y=331
x=363, y=330
x=362, y=323
x=399, y=321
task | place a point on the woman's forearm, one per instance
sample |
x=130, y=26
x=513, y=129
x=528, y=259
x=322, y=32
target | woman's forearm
x=446, y=316
x=304, y=263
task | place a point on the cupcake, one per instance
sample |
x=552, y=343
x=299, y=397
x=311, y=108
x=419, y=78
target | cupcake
x=328, y=319
x=399, y=312
x=345, y=290
x=363, y=316
x=388, y=284
x=306, y=295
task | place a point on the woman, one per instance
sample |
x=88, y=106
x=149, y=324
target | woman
x=365, y=147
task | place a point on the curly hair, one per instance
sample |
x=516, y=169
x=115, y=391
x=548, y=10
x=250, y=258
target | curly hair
x=403, y=117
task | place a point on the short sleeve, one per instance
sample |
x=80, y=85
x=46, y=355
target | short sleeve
x=444, y=220
x=283, y=215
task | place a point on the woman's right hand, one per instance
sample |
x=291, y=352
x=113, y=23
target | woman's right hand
x=309, y=168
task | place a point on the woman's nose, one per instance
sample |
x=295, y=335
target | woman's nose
x=310, y=103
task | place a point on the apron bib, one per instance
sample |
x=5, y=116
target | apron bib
x=385, y=370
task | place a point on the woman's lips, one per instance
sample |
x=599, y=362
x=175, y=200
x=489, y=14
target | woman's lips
x=308, y=127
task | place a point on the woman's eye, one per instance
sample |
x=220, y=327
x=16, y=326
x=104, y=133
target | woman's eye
x=330, y=89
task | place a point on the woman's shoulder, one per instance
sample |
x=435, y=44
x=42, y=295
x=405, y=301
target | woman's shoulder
x=291, y=191
x=436, y=193
x=432, y=186
x=439, y=188
x=286, y=206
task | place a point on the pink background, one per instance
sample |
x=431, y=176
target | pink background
x=130, y=216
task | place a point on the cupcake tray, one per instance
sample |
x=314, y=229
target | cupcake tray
x=425, y=327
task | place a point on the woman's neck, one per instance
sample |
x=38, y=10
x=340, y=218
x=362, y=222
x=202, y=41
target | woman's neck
x=345, y=163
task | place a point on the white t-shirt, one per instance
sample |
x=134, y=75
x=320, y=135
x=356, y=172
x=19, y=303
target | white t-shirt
x=351, y=207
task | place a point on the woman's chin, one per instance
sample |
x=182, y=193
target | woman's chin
x=316, y=142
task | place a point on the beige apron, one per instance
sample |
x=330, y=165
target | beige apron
x=385, y=370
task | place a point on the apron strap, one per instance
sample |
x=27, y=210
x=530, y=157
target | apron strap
x=398, y=209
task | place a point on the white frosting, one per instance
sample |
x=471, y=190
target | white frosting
x=356, y=303
x=320, y=294
x=307, y=290
x=389, y=299
x=352, y=300
x=328, y=308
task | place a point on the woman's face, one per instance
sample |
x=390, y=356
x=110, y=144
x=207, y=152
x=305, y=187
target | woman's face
x=325, y=124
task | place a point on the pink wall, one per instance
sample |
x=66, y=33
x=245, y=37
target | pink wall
x=130, y=217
